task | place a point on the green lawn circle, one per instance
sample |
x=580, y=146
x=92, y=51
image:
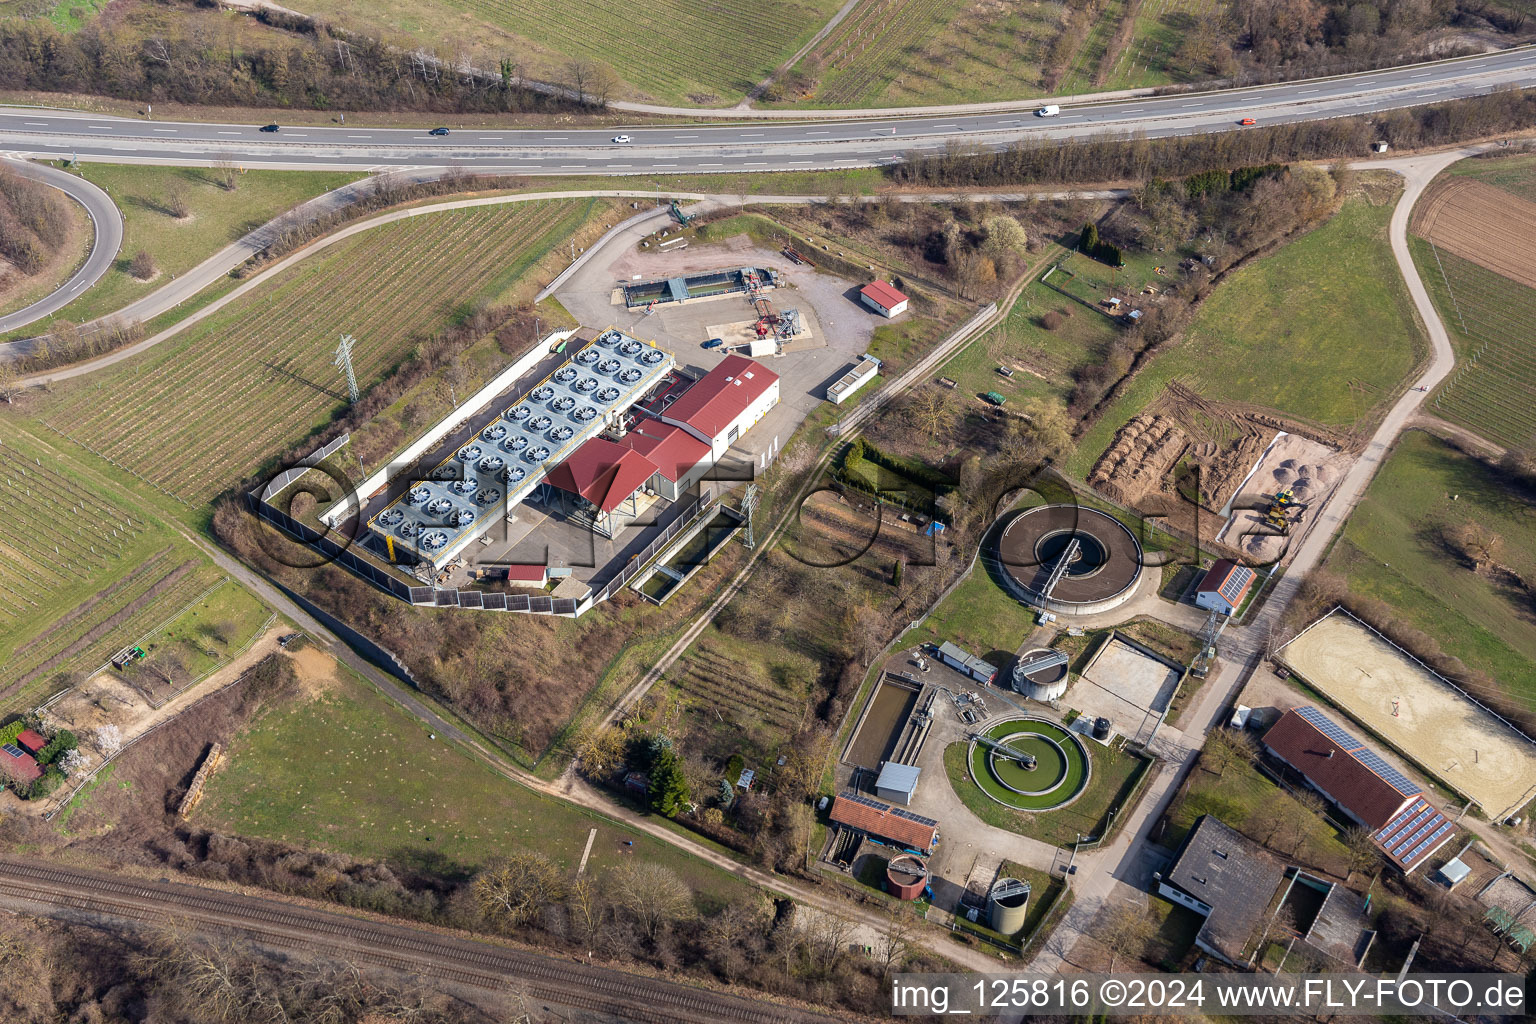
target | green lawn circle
x=1061, y=757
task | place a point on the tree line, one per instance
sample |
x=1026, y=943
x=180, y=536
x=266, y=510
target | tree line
x=312, y=68
x=1124, y=157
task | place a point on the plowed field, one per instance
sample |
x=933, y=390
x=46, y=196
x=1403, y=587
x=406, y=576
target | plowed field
x=1483, y=224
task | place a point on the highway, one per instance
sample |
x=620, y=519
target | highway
x=756, y=146
x=107, y=224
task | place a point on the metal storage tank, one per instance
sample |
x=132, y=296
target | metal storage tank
x=1041, y=674
x=906, y=876
x=1007, y=905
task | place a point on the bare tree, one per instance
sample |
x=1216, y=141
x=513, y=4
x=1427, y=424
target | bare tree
x=227, y=174
x=896, y=939
x=1224, y=749
x=827, y=936
x=653, y=894
x=1126, y=932
x=10, y=384
x=932, y=410
x=174, y=202
x=1361, y=846
x=516, y=888
x=584, y=902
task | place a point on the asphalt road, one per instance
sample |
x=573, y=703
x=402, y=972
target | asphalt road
x=747, y=147
x=107, y=224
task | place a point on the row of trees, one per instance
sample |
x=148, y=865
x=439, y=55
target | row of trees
x=312, y=68
x=1119, y=157
x=34, y=221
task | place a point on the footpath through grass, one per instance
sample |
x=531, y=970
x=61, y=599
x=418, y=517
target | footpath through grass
x=215, y=217
x=1321, y=330
x=1392, y=549
x=348, y=770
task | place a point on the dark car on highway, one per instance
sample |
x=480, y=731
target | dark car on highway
x=269, y=128
x=438, y=131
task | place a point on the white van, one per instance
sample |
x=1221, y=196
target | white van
x=1048, y=111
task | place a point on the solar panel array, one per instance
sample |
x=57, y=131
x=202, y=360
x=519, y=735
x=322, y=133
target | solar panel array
x=1325, y=725
x=1372, y=760
x=1236, y=580
x=497, y=469
x=1394, y=778
x=1354, y=748
x=1413, y=832
x=885, y=808
x=14, y=750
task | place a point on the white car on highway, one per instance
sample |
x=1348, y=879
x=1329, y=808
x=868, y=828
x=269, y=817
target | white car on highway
x=1050, y=110
x=622, y=139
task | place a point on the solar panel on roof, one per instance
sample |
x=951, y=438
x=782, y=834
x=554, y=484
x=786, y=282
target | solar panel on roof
x=859, y=798
x=898, y=812
x=1325, y=725
x=13, y=750
x=1396, y=779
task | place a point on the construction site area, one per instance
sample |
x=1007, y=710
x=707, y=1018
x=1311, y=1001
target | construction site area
x=1240, y=477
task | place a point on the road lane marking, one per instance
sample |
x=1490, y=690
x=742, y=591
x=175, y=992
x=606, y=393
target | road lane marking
x=229, y=133
x=685, y=136
x=1424, y=75
x=298, y=135
x=752, y=135
x=169, y=130
x=1303, y=92
x=548, y=138
x=711, y=165
x=107, y=127
x=818, y=133
x=485, y=138
x=36, y=124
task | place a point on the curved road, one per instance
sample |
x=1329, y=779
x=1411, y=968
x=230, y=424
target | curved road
x=105, y=221
x=749, y=147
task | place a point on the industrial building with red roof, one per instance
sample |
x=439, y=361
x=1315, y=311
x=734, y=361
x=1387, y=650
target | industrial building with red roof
x=882, y=821
x=883, y=298
x=680, y=458
x=1406, y=827
x=725, y=402
x=603, y=474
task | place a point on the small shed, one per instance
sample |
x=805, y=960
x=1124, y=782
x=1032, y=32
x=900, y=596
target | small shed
x=1224, y=587
x=897, y=782
x=1453, y=872
x=31, y=741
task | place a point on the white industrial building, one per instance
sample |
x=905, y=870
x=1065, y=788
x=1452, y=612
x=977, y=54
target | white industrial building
x=883, y=298
x=866, y=370
x=725, y=403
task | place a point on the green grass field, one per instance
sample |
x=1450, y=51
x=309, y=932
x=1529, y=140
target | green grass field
x=1390, y=550
x=210, y=631
x=671, y=51
x=1321, y=330
x=202, y=410
x=1237, y=797
x=1513, y=174
x=85, y=570
x=215, y=219
x=348, y=770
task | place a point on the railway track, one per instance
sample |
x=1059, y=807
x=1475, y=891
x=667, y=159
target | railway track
x=399, y=947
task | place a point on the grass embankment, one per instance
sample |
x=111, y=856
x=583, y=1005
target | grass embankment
x=202, y=410
x=348, y=770
x=148, y=198
x=1392, y=549
x=1321, y=330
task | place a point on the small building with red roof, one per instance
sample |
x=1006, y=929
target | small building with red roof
x=725, y=403
x=602, y=478
x=1224, y=587
x=18, y=765
x=681, y=459
x=31, y=741
x=879, y=820
x=883, y=298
